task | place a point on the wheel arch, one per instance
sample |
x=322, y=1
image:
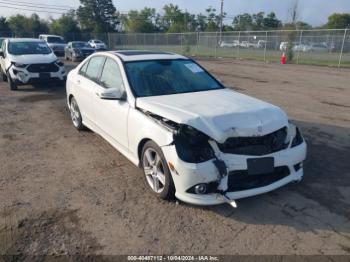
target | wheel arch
x=70, y=96
x=140, y=147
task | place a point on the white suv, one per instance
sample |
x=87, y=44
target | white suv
x=55, y=42
x=192, y=137
x=27, y=61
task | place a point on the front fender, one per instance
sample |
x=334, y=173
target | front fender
x=141, y=127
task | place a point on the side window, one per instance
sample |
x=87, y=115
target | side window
x=82, y=70
x=4, y=50
x=111, y=76
x=94, y=68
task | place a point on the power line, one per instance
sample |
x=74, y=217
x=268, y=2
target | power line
x=66, y=6
x=34, y=6
x=32, y=10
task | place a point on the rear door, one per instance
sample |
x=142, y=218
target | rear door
x=86, y=82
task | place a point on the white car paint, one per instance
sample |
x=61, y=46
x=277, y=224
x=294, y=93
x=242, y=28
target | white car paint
x=219, y=114
x=233, y=43
x=97, y=44
x=56, y=47
x=8, y=63
x=218, y=121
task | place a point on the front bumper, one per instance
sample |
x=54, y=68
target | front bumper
x=81, y=56
x=21, y=76
x=187, y=175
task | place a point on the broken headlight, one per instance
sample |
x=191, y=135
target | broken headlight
x=298, y=139
x=19, y=65
x=192, y=146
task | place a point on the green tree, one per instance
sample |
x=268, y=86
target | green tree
x=243, y=22
x=271, y=21
x=97, y=15
x=201, y=22
x=173, y=19
x=258, y=21
x=4, y=26
x=338, y=21
x=66, y=26
x=303, y=25
x=141, y=21
x=37, y=25
x=23, y=26
x=213, y=19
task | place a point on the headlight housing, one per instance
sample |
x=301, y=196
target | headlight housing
x=59, y=62
x=298, y=139
x=19, y=65
x=77, y=51
x=192, y=146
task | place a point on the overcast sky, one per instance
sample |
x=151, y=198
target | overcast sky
x=314, y=12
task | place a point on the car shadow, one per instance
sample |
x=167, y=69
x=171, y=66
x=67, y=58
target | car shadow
x=320, y=201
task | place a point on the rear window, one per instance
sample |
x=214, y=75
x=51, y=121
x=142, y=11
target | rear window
x=55, y=39
x=79, y=44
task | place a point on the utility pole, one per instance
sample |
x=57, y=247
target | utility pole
x=221, y=18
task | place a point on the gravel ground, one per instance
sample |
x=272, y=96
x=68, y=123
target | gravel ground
x=65, y=192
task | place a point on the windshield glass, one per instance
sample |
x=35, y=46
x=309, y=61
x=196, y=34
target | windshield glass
x=26, y=48
x=98, y=41
x=80, y=44
x=165, y=77
x=55, y=39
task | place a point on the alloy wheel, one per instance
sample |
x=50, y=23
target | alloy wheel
x=74, y=113
x=154, y=170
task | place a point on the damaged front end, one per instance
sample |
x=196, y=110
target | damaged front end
x=195, y=147
x=192, y=146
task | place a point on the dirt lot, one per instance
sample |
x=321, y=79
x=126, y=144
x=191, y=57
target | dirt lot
x=64, y=192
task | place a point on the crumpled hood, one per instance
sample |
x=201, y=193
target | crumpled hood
x=34, y=59
x=218, y=113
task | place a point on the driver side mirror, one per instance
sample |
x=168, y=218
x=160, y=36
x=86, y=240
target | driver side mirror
x=112, y=94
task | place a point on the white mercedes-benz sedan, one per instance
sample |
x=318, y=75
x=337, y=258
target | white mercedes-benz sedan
x=192, y=137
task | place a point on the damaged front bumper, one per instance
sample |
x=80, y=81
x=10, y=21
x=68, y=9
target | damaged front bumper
x=287, y=163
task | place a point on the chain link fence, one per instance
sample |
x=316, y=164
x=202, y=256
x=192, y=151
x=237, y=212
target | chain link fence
x=318, y=47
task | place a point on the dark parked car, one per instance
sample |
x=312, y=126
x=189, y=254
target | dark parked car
x=77, y=50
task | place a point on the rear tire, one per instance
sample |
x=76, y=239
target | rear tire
x=157, y=175
x=76, y=115
x=3, y=76
x=13, y=86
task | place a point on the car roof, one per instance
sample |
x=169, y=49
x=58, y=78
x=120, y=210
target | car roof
x=24, y=40
x=139, y=55
x=52, y=36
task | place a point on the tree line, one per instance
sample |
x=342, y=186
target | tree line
x=100, y=16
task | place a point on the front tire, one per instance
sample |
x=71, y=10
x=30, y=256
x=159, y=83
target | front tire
x=13, y=86
x=157, y=175
x=76, y=115
x=3, y=75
